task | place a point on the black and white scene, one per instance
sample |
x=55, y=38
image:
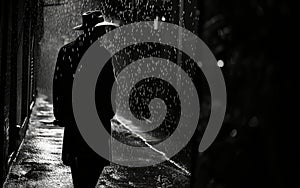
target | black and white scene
x=148, y=93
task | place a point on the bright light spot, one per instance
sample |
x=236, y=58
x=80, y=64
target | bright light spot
x=163, y=19
x=220, y=63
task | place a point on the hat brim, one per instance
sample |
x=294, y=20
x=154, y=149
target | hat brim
x=105, y=23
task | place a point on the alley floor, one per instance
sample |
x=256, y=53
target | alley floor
x=39, y=164
x=39, y=160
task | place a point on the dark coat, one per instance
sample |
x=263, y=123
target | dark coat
x=68, y=59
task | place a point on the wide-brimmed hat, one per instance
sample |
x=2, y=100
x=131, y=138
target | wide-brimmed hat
x=90, y=19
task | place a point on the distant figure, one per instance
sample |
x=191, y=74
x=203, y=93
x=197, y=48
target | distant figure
x=86, y=165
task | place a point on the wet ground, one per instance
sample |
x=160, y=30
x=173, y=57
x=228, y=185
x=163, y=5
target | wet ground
x=39, y=164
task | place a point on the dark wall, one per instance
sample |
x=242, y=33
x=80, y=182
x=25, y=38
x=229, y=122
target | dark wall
x=21, y=31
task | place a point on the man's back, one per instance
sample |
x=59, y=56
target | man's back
x=68, y=59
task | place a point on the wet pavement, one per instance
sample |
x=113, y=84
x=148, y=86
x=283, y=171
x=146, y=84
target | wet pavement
x=39, y=164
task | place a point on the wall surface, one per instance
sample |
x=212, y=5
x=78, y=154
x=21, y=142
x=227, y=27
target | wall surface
x=21, y=32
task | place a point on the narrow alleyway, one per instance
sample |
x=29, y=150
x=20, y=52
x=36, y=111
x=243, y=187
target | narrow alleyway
x=39, y=164
x=39, y=161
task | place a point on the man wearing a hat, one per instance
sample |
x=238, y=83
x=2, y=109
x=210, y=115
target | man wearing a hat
x=86, y=165
x=89, y=20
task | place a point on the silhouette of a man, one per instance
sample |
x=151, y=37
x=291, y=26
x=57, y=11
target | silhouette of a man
x=86, y=165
